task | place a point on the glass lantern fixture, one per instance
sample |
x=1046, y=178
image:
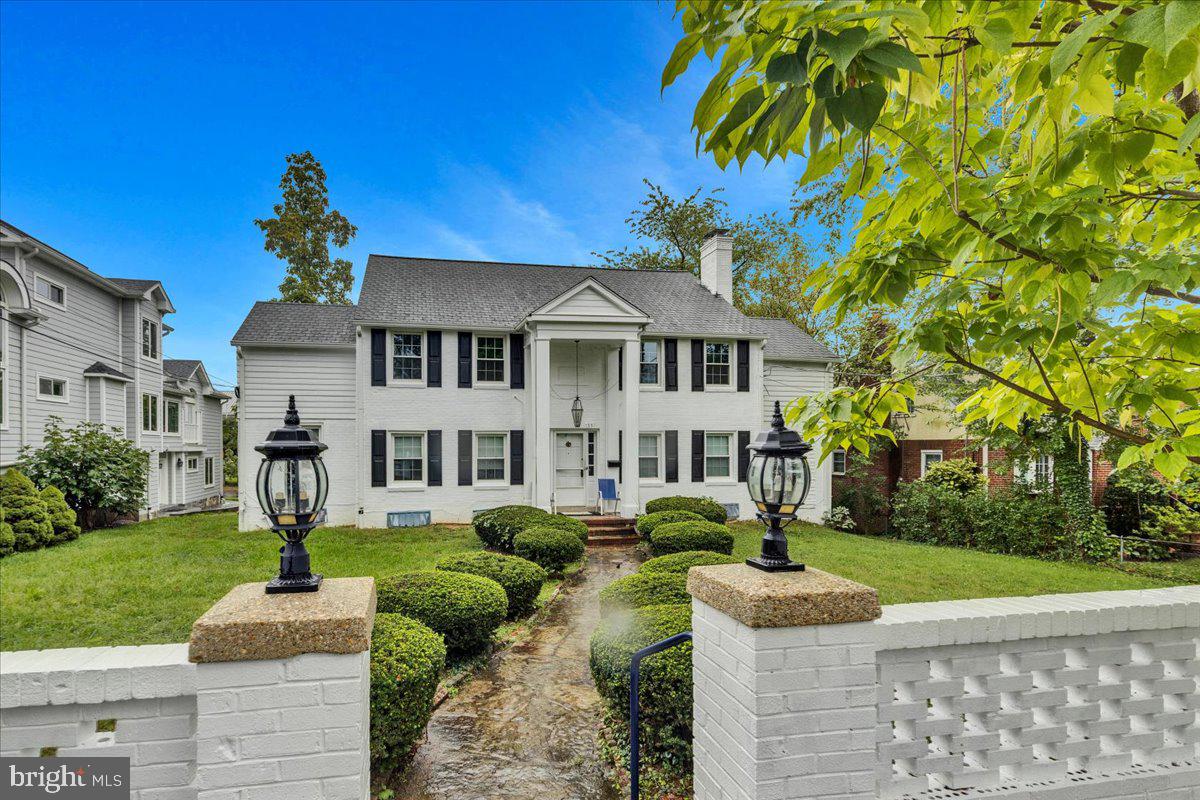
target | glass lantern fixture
x=577, y=406
x=292, y=485
x=778, y=478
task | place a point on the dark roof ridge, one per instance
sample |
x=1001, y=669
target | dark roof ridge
x=528, y=264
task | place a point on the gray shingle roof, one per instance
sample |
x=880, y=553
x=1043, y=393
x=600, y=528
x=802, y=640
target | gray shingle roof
x=296, y=323
x=181, y=368
x=786, y=341
x=479, y=294
x=100, y=368
x=136, y=285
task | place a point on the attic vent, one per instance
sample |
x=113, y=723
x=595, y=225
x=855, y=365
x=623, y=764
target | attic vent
x=407, y=519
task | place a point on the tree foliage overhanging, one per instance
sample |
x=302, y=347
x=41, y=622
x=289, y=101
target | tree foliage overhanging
x=1029, y=173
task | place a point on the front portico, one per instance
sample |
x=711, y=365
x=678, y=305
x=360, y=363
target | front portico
x=591, y=332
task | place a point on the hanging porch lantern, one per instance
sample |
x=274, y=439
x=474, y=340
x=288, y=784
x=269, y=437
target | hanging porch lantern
x=577, y=406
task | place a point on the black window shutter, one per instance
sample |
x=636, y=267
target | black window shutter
x=516, y=457
x=433, y=457
x=697, y=365
x=697, y=456
x=743, y=455
x=464, y=458
x=433, y=357
x=464, y=360
x=621, y=369
x=516, y=361
x=743, y=365
x=378, y=357
x=671, y=357
x=379, y=458
x=672, y=457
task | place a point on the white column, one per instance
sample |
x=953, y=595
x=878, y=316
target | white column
x=630, y=502
x=543, y=452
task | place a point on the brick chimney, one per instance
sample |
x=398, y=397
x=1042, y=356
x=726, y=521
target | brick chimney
x=716, y=263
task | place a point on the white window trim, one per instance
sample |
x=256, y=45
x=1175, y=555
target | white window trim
x=315, y=428
x=1030, y=471
x=475, y=381
x=156, y=345
x=659, y=456
x=940, y=454
x=192, y=463
x=391, y=452
x=49, y=398
x=210, y=461
x=833, y=470
x=391, y=371
x=166, y=420
x=731, y=384
x=154, y=416
x=476, y=480
x=38, y=296
x=658, y=384
x=731, y=456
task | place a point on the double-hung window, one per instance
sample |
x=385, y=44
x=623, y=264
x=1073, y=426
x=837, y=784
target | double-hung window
x=406, y=356
x=839, y=462
x=172, y=416
x=490, y=461
x=209, y=476
x=48, y=291
x=928, y=459
x=650, y=370
x=149, y=412
x=717, y=450
x=489, y=359
x=52, y=389
x=149, y=338
x=716, y=363
x=193, y=463
x=1041, y=470
x=649, y=456
x=408, y=458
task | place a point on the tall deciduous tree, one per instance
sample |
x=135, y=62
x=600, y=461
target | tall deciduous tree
x=302, y=230
x=1028, y=170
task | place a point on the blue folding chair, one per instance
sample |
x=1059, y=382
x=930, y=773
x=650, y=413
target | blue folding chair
x=608, y=492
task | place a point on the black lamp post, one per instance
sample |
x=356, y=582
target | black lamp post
x=292, y=485
x=778, y=479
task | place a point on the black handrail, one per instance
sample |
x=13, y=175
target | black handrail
x=634, y=677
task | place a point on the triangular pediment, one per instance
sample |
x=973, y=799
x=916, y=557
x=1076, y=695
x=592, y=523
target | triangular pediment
x=589, y=300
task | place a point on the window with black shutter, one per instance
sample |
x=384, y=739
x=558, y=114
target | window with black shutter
x=743, y=365
x=697, y=365
x=433, y=457
x=516, y=457
x=671, y=446
x=743, y=439
x=697, y=456
x=379, y=458
x=433, y=357
x=516, y=361
x=378, y=357
x=464, y=360
x=464, y=457
x=671, y=362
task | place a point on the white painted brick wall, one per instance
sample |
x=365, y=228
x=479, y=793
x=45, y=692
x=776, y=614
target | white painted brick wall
x=1064, y=697
x=285, y=728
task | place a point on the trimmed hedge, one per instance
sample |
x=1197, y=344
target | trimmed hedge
x=680, y=563
x=677, y=537
x=549, y=548
x=62, y=516
x=25, y=511
x=465, y=609
x=644, y=589
x=7, y=537
x=706, y=507
x=570, y=524
x=496, y=527
x=521, y=580
x=648, y=522
x=665, y=699
x=407, y=659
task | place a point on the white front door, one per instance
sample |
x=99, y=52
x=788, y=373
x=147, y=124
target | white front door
x=164, y=479
x=570, y=469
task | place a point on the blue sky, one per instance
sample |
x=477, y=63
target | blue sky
x=144, y=139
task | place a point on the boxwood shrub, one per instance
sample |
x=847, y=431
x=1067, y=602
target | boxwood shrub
x=521, y=580
x=496, y=527
x=648, y=522
x=665, y=698
x=571, y=524
x=680, y=563
x=706, y=507
x=549, y=548
x=464, y=609
x=676, y=537
x=644, y=589
x=407, y=659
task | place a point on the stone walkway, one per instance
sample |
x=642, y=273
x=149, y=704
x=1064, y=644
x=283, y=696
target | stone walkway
x=526, y=726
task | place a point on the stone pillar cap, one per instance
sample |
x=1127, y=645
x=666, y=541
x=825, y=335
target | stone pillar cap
x=248, y=624
x=782, y=599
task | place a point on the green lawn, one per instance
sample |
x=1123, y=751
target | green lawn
x=912, y=573
x=146, y=583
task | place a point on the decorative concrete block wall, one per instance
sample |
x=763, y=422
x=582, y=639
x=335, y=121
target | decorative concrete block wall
x=805, y=688
x=270, y=699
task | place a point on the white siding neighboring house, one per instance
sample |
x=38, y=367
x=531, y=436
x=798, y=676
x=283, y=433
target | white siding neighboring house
x=83, y=347
x=448, y=388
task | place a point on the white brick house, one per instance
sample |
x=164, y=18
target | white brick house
x=448, y=388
